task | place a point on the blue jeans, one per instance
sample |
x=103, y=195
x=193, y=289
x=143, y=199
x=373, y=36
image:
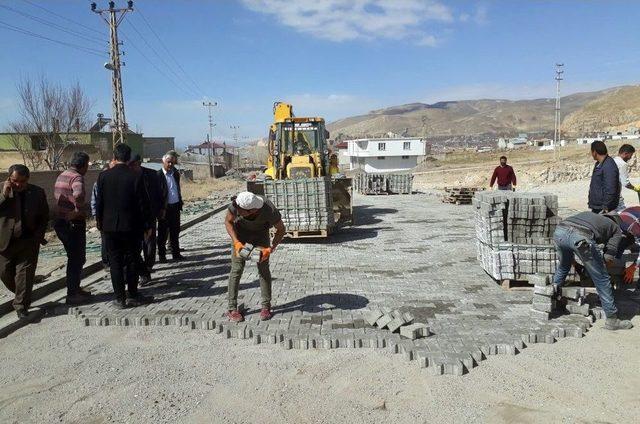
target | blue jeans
x=570, y=243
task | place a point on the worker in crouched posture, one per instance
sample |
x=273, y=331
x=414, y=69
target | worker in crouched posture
x=579, y=235
x=248, y=221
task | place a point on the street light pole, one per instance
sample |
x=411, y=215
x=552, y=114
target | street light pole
x=209, y=105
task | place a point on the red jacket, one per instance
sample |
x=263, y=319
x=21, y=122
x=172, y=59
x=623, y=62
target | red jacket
x=505, y=176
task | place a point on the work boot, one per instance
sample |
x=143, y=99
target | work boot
x=162, y=259
x=22, y=313
x=235, y=316
x=178, y=257
x=613, y=323
x=265, y=314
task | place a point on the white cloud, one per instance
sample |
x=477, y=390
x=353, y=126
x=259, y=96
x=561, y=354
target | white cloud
x=342, y=20
x=428, y=40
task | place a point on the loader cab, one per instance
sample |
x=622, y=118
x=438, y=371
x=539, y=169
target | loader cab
x=302, y=147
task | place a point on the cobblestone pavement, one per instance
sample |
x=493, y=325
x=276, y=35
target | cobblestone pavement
x=410, y=253
x=52, y=260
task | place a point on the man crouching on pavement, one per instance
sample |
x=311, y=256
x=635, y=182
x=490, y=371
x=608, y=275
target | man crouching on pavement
x=249, y=218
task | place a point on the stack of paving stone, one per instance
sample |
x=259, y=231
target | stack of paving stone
x=394, y=320
x=545, y=301
x=514, y=233
x=459, y=195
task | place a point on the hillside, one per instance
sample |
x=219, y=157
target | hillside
x=596, y=111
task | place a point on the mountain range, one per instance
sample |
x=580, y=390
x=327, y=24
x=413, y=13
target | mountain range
x=612, y=109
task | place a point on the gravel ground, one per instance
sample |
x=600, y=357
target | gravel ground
x=56, y=371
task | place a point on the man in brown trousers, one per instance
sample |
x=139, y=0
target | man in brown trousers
x=24, y=215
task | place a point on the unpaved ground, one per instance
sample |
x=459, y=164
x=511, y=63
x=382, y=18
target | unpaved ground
x=56, y=371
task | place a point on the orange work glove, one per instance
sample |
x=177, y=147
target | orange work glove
x=266, y=252
x=237, y=247
x=629, y=273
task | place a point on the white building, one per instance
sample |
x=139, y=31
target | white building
x=588, y=140
x=385, y=154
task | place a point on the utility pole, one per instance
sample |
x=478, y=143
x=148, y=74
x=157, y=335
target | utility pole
x=119, y=123
x=235, y=144
x=209, y=105
x=556, y=132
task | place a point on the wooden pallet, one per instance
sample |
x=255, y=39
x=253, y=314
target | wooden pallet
x=307, y=234
x=513, y=285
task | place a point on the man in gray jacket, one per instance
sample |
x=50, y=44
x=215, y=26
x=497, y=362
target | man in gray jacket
x=579, y=235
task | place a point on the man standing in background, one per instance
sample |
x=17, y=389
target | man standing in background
x=604, y=189
x=24, y=215
x=71, y=227
x=505, y=176
x=122, y=214
x=169, y=226
x=625, y=153
x=153, y=190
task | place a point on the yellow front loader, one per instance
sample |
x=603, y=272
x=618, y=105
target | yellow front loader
x=302, y=176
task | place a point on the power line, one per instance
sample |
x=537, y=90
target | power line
x=63, y=17
x=54, y=25
x=64, y=43
x=189, y=89
x=195, y=84
x=152, y=63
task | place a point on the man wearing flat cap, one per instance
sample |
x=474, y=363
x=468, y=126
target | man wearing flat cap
x=249, y=218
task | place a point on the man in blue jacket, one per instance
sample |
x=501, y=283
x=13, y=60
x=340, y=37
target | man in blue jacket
x=604, y=190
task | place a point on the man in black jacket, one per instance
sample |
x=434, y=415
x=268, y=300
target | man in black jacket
x=170, y=224
x=156, y=199
x=24, y=215
x=123, y=215
x=604, y=190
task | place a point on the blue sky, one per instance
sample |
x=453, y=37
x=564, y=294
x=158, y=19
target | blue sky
x=331, y=58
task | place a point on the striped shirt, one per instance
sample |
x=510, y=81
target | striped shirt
x=70, y=194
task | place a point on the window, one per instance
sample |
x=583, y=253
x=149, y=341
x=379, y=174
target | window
x=406, y=145
x=382, y=147
x=405, y=157
x=380, y=157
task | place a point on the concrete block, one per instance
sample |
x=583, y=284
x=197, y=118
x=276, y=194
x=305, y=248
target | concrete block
x=414, y=331
x=579, y=309
x=372, y=316
x=384, y=320
x=395, y=324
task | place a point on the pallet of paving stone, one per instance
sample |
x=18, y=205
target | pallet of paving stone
x=459, y=195
x=383, y=183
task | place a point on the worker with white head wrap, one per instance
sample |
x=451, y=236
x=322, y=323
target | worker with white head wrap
x=248, y=221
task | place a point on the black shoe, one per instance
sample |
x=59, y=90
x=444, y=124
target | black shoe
x=119, y=304
x=162, y=259
x=77, y=299
x=22, y=314
x=178, y=257
x=141, y=299
x=85, y=293
x=145, y=280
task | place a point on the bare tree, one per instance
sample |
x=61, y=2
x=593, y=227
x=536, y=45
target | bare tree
x=51, y=114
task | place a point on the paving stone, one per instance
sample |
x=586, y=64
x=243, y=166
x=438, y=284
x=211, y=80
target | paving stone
x=326, y=294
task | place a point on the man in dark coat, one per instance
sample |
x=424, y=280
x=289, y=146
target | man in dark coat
x=604, y=189
x=156, y=199
x=123, y=215
x=24, y=216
